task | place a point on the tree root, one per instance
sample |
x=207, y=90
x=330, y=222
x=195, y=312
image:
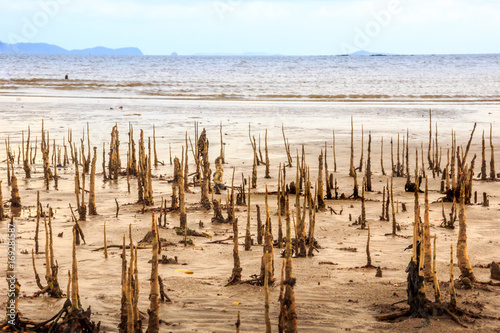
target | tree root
x=397, y=235
x=40, y=292
x=254, y=280
x=163, y=296
x=393, y=316
x=438, y=308
x=220, y=241
x=454, y=317
x=72, y=321
x=191, y=232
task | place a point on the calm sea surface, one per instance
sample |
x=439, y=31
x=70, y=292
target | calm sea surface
x=429, y=78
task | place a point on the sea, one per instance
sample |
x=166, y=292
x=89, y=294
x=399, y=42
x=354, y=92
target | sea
x=308, y=95
x=405, y=78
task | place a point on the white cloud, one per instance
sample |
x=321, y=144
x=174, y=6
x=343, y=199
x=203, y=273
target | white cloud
x=133, y=10
x=258, y=10
x=422, y=11
x=281, y=26
x=341, y=10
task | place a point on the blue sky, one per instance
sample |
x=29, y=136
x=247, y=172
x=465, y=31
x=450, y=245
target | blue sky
x=309, y=27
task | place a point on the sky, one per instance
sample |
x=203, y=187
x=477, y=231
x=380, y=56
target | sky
x=300, y=27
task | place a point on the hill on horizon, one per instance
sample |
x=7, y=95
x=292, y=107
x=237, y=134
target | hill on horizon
x=44, y=48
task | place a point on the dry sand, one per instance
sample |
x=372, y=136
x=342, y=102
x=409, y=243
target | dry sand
x=329, y=298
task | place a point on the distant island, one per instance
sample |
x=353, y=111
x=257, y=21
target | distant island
x=253, y=54
x=44, y=48
x=244, y=54
x=365, y=53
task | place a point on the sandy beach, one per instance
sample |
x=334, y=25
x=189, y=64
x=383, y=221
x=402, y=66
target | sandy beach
x=333, y=293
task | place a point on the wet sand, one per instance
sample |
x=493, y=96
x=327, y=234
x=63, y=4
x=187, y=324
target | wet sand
x=328, y=297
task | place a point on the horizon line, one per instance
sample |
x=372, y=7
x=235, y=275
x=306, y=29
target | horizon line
x=253, y=53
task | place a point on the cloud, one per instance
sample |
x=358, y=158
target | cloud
x=421, y=11
x=275, y=26
x=133, y=10
x=264, y=10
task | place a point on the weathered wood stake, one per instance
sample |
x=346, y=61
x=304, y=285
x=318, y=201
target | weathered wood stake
x=319, y=198
x=351, y=160
x=382, y=156
x=203, y=151
x=154, y=147
x=360, y=168
x=15, y=200
x=493, y=175
x=334, y=155
x=368, y=173
x=267, y=319
x=453, y=295
x=483, y=159
x=182, y=196
x=437, y=291
x=248, y=238
x=268, y=175
x=287, y=147
x=75, y=294
x=428, y=269
x=462, y=253
x=92, y=206
x=236, y=274
x=394, y=224
x=2, y=209
x=153, y=311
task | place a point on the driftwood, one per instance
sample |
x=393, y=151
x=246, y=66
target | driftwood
x=63, y=321
x=115, y=246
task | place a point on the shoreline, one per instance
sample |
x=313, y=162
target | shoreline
x=299, y=99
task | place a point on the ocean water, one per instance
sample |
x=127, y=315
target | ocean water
x=425, y=78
